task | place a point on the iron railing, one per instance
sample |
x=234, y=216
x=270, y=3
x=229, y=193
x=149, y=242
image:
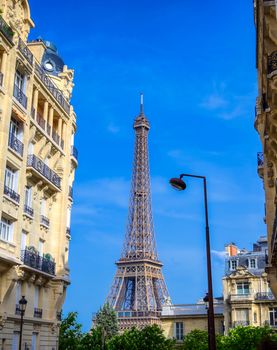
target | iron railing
x=70, y=192
x=28, y=210
x=37, y=312
x=129, y=313
x=1, y=78
x=44, y=221
x=16, y=144
x=68, y=231
x=6, y=30
x=55, y=92
x=48, y=128
x=241, y=323
x=40, y=120
x=38, y=262
x=25, y=51
x=264, y=296
x=260, y=159
x=20, y=96
x=74, y=152
x=239, y=297
x=44, y=170
x=12, y=194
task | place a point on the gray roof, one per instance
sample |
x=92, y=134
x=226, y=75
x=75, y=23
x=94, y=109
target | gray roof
x=191, y=309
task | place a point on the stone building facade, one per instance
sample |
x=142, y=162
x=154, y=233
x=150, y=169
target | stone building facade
x=248, y=299
x=266, y=122
x=179, y=320
x=37, y=167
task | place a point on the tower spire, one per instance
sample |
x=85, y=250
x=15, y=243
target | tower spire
x=139, y=291
x=141, y=103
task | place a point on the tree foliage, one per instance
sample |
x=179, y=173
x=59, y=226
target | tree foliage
x=70, y=332
x=106, y=320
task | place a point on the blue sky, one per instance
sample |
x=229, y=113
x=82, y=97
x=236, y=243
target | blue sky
x=195, y=64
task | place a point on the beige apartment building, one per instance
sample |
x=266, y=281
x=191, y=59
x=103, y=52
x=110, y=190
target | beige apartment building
x=248, y=299
x=37, y=166
x=266, y=122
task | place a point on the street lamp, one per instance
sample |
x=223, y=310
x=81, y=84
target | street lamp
x=22, y=308
x=179, y=184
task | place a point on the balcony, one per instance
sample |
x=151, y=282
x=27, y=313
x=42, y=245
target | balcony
x=44, y=221
x=25, y=51
x=51, y=87
x=70, y=192
x=28, y=210
x=129, y=313
x=37, y=312
x=1, y=79
x=74, y=154
x=20, y=96
x=264, y=296
x=16, y=144
x=56, y=137
x=40, y=120
x=12, y=194
x=68, y=231
x=260, y=161
x=241, y=323
x=37, y=262
x=41, y=168
x=6, y=30
x=241, y=297
x=59, y=315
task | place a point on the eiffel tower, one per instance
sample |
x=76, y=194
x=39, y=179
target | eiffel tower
x=138, y=291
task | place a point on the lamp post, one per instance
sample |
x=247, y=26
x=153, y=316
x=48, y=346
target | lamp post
x=22, y=308
x=180, y=185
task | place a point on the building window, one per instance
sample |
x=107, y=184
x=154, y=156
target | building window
x=252, y=263
x=233, y=264
x=24, y=236
x=40, y=247
x=242, y=317
x=179, y=330
x=273, y=316
x=10, y=178
x=15, y=343
x=34, y=341
x=28, y=196
x=243, y=288
x=6, y=230
x=19, y=80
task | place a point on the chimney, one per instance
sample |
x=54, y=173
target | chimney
x=231, y=249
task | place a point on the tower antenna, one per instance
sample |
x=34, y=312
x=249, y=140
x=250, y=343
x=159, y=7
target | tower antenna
x=141, y=103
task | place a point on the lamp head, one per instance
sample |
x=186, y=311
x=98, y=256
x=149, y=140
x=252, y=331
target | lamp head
x=177, y=183
x=22, y=304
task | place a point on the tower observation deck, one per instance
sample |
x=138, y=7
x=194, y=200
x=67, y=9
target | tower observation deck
x=138, y=290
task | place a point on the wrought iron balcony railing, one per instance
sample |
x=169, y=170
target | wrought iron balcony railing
x=260, y=159
x=16, y=144
x=240, y=297
x=44, y=170
x=264, y=296
x=1, y=78
x=74, y=152
x=6, y=30
x=55, y=92
x=70, y=192
x=20, y=96
x=40, y=120
x=37, y=312
x=28, y=210
x=68, y=231
x=25, y=51
x=12, y=194
x=38, y=262
x=59, y=315
x=272, y=62
x=241, y=323
x=44, y=221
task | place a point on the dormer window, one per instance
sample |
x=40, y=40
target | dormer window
x=233, y=264
x=252, y=263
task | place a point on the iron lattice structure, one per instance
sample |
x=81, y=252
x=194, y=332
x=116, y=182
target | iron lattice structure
x=138, y=291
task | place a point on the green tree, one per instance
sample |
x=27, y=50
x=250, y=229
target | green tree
x=70, y=332
x=248, y=338
x=150, y=338
x=198, y=340
x=106, y=320
x=92, y=340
